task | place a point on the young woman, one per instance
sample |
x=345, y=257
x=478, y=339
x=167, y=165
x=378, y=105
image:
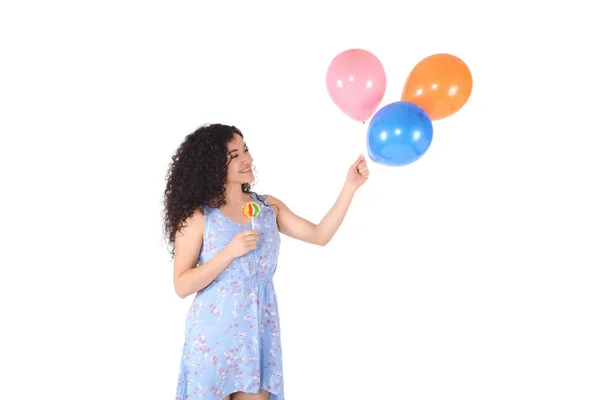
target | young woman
x=232, y=347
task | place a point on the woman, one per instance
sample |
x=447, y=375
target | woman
x=232, y=347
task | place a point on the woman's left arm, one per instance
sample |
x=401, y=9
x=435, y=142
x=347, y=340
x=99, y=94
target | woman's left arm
x=320, y=234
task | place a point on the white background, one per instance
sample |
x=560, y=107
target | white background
x=470, y=274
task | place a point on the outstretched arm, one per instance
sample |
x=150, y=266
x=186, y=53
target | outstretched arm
x=320, y=234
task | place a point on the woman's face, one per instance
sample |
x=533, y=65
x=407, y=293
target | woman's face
x=239, y=169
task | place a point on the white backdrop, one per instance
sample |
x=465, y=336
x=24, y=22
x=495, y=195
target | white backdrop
x=471, y=274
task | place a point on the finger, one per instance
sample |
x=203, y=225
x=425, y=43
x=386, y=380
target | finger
x=360, y=159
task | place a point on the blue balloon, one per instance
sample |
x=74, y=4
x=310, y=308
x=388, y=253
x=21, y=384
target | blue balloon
x=399, y=134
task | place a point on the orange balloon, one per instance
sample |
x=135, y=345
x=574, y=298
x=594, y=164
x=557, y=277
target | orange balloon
x=441, y=84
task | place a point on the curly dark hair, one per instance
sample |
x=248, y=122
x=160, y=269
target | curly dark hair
x=196, y=176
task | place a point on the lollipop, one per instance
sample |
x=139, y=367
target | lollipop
x=251, y=210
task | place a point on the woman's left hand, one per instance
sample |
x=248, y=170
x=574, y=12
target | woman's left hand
x=358, y=173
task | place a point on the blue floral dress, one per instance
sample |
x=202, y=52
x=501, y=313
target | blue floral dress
x=232, y=336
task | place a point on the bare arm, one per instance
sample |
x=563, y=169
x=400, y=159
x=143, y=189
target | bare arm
x=320, y=234
x=188, y=278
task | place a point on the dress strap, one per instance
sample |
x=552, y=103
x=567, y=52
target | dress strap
x=259, y=198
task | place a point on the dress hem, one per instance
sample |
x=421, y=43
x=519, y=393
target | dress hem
x=271, y=393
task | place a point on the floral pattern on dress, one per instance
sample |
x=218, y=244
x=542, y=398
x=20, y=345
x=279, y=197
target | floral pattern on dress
x=232, y=335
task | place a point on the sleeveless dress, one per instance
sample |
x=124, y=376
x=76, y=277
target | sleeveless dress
x=232, y=336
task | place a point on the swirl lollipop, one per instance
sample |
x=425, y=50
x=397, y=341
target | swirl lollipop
x=251, y=210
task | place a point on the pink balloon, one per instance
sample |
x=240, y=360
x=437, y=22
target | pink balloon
x=356, y=82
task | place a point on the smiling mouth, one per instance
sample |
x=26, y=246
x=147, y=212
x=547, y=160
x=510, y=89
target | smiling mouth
x=246, y=170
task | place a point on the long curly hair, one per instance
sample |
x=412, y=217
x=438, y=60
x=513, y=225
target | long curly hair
x=196, y=177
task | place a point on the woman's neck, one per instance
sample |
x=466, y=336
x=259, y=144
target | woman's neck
x=235, y=195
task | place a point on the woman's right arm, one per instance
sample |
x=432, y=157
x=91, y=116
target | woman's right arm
x=188, y=278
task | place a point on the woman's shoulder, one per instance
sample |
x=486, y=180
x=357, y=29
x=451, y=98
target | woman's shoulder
x=194, y=221
x=268, y=200
x=265, y=198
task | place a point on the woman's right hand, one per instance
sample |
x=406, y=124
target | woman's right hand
x=243, y=243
